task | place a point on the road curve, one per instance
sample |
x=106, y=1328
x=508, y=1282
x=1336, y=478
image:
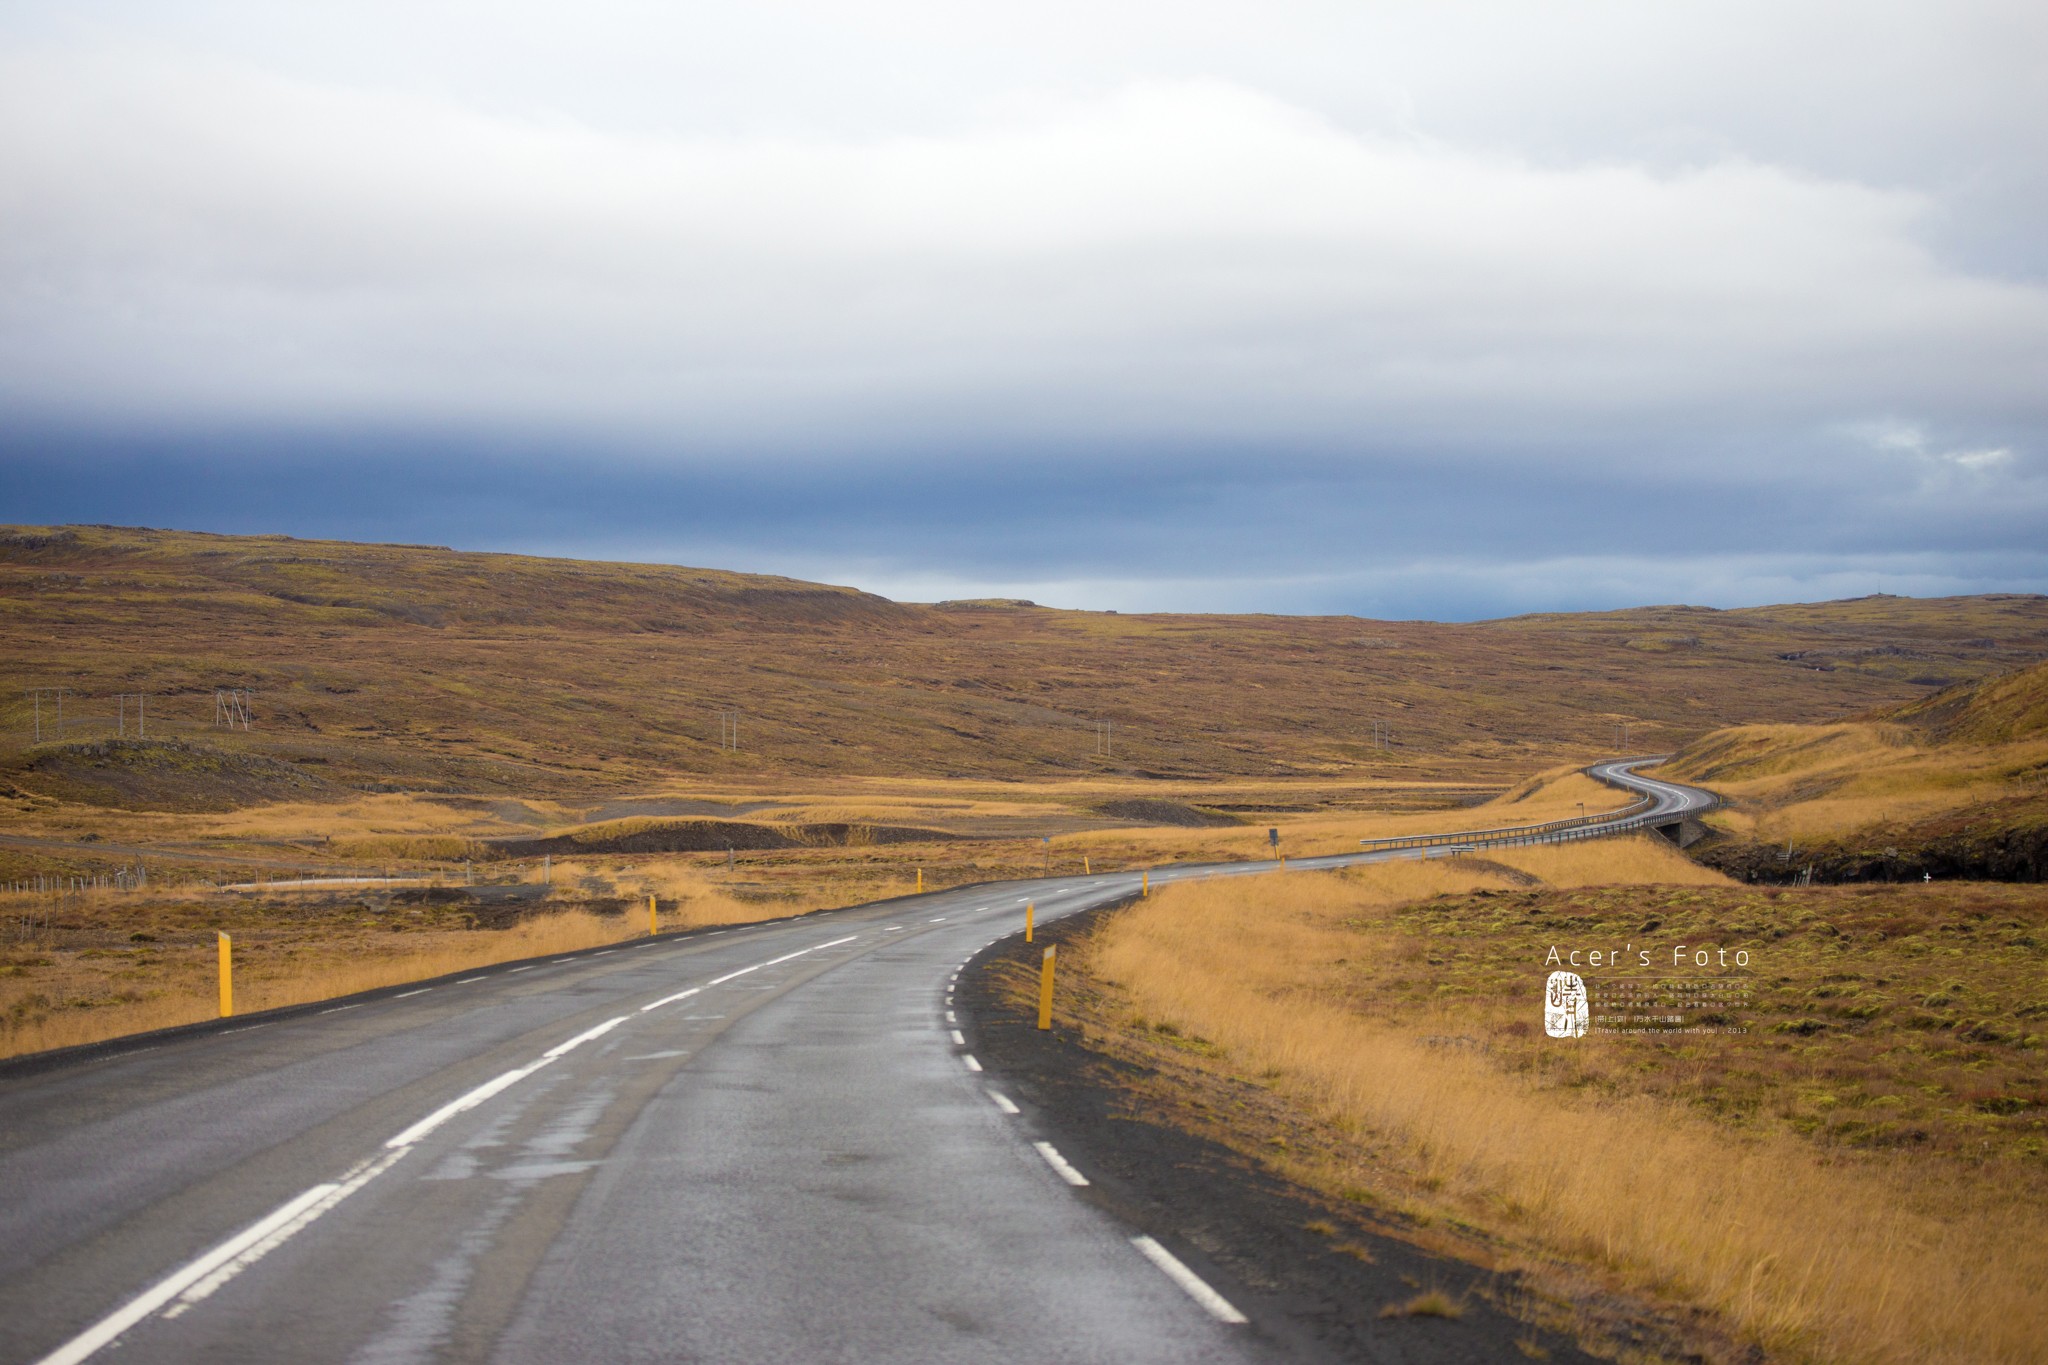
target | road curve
x=765, y=1143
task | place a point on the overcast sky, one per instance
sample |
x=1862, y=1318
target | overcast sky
x=1425, y=309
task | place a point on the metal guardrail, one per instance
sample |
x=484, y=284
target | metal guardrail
x=1468, y=835
x=1595, y=826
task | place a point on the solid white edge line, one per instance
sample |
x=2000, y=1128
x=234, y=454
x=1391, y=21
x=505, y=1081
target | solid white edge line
x=1004, y=1102
x=1061, y=1164
x=205, y=1274
x=671, y=999
x=103, y=1333
x=1192, y=1284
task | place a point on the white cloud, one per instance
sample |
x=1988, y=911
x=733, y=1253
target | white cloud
x=192, y=237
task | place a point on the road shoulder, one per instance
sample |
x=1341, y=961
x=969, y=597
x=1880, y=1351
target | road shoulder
x=1326, y=1279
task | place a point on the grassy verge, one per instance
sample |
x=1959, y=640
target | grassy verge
x=79, y=969
x=1859, y=1177
x=110, y=965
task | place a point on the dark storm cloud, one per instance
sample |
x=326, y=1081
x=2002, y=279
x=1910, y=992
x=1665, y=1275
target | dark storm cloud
x=1423, y=310
x=1393, y=534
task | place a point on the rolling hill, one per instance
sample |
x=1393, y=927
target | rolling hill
x=1952, y=784
x=387, y=667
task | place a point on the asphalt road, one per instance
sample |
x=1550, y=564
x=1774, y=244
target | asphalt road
x=760, y=1144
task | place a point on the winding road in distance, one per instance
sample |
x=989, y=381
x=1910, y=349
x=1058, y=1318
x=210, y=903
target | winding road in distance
x=759, y=1144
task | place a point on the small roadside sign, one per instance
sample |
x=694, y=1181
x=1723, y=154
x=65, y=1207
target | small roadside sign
x=1273, y=837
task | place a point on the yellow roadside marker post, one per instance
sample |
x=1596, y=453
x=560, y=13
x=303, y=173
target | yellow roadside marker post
x=1045, y=988
x=1089, y=871
x=1027, y=921
x=920, y=881
x=227, y=975
x=1145, y=887
x=653, y=923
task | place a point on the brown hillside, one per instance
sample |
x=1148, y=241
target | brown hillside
x=1996, y=710
x=388, y=666
x=1954, y=784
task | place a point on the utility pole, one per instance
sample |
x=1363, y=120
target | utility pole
x=231, y=707
x=57, y=693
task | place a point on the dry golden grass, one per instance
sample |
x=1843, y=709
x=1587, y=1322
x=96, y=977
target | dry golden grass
x=85, y=982
x=1431, y=1303
x=424, y=669
x=699, y=896
x=1646, y=860
x=1803, y=782
x=363, y=825
x=184, y=987
x=79, y=975
x=1868, y=1261
x=1561, y=793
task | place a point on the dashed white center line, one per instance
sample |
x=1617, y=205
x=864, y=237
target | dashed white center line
x=950, y=1019
x=1060, y=1164
x=527, y=968
x=404, y=994
x=1003, y=1102
x=893, y=929
x=467, y=979
x=1194, y=1285
x=940, y=920
x=958, y=1039
x=339, y=1008
x=968, y=1058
